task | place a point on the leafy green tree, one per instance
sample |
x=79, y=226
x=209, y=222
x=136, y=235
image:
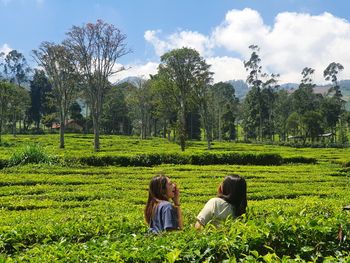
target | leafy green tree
x=304, y=99
x=19, y=104
x=251, y=114
x=96, y=48
x=330, y=73
x=258, y=108
x=39, y=87
x=183, y=70
x=336, y=104
x=140, y=101
x=16, y=68
x=13, y=102
x=268, y=99
x=283, y=109
x=75, y=112
x=165, y=108
x=293, y=124
x=312, y=124
x=6, y=92
x=115, y=115
x=202, y=98
x=224, y=107
x=330, y=111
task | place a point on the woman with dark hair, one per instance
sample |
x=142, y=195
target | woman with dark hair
x=160, y=214
x=231, y=200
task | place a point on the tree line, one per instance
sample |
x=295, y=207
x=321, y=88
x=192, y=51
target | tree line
x=180, y=102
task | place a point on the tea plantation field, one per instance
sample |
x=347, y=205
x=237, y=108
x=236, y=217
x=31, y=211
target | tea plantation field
x=68, y=211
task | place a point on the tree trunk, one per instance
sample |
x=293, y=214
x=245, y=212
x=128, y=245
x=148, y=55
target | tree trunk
x=62, y=126
x=191, y=126
x=207, y=130
x=206, y=127
x=182, y=130
x=155, y=134
x=219, y=126
x=96, y=124
x=165, y=130
x=0, y=128
x=14, y=124
x=86, y=119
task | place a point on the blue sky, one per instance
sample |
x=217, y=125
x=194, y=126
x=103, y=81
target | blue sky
x=292, y=34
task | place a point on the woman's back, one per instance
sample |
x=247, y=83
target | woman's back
x=215, y=210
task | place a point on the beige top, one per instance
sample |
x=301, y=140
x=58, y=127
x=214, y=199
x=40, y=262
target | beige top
x=215, y=210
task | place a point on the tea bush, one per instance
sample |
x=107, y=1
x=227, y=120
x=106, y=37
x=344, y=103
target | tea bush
x=196, y=159
x=91, y=208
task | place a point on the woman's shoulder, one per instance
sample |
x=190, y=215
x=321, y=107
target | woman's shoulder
x=164, y=204
x=219, y=202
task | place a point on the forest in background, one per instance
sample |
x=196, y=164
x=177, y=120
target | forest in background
x=70, y=91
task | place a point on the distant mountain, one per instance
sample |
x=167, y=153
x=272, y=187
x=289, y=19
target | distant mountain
x=241, y=88
x=289, y=86
x=130, y=80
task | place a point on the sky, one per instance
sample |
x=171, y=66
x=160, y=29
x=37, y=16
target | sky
x=291, y=34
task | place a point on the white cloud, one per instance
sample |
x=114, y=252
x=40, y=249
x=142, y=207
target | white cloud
x=239, y=30
x=302, y=40
x=5, y=48
x=132, y=70
x=179, y=39
x=294, y=41
x=226, y=68
x=159, y=45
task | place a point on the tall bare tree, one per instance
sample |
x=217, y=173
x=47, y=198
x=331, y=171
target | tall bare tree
x=57, y=62
x=97, y=47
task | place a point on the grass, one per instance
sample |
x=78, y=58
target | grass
x=95, y=214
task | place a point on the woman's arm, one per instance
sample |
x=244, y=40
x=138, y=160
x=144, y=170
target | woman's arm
x=179, y=216
x=205, y=215
x=176, y=201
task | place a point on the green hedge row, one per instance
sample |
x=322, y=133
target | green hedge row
x=300, y=159
x=173, y=158
x=195, y=159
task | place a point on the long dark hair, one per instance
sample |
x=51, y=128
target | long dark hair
x=234, y=191
x=156, y=192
